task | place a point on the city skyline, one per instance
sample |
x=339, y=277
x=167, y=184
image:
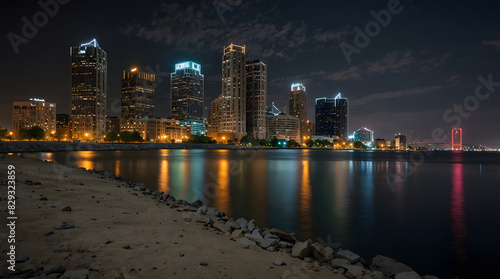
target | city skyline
x=400, y=82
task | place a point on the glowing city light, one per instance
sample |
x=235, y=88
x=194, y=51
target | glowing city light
x=298, y=86
x=188, y=65
x=133, y=70
x=37, y=100
x=91, y=43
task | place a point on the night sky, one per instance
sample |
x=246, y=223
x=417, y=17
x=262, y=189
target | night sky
x=427, y=59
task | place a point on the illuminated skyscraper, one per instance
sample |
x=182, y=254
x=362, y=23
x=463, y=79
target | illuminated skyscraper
x=35, y=112
x=233, y=110
x=89, y=68
x=332, y=116
x=298, y=107
x=256, y=96
x=186, y=91
x=138, y=94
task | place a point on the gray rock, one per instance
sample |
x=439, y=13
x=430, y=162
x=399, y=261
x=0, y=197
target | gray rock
x=203, y=263
x=279, y=262
x=408, y=275
x=285, y=244
x=429, y=277
x=21, y=258
x=197, y=204
x=388, y=266
x=268, y=242
x=301, y=249
x=137, y=188
x=75, y=274
x=355, y=271
x=49, y=269
x=213, y=211
x=348, y=255
x=66, y=208
x=377, y=275
x=223, y=227
x=255, y=236
x=236, y=234
x=336, y=263
x=147, y=191
x=233, y=225
x=270, y=235
x=187, y=219
x=156, y=194
x=271, y=248
x=251, y=225
x=65, y=226
x=245, y=241
x=242, y=223
x=283, y=235
x=323, y=254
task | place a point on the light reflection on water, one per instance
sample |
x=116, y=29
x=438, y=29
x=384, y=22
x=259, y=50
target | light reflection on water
x=343, y=195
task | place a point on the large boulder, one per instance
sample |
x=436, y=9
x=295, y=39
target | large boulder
x=408, y=275
x=301, y=249
x=268, y=242
x=255, y=236
x=245, y=241
x=283, y=235
x=336, y=263
x=389, y=267
x=348, y=255
x=323, y=254
x=223, y=227
x=242, y=223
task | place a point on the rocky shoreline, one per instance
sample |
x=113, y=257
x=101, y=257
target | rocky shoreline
x=314, y=256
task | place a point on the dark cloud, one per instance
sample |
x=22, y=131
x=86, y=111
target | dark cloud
x=197, y=27
x=396, y=94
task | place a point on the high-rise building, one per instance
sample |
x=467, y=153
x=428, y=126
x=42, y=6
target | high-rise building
x=214, y=116
x=35, y=112
x=332, y=116
x=138, y=94
x=363, y=135
x=89, y=68
x=187, y=91
x=62, y=126
x=311, y=130
x=233, y=109
x=282, y=126
x=256, y=96
x=400, y=142
x=113, y=124
x=298, y=107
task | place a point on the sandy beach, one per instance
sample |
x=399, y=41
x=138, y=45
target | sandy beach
x=77, y=223
x=120, y=233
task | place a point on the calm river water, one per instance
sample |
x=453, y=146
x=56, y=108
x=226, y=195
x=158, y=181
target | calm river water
x=440, y=216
